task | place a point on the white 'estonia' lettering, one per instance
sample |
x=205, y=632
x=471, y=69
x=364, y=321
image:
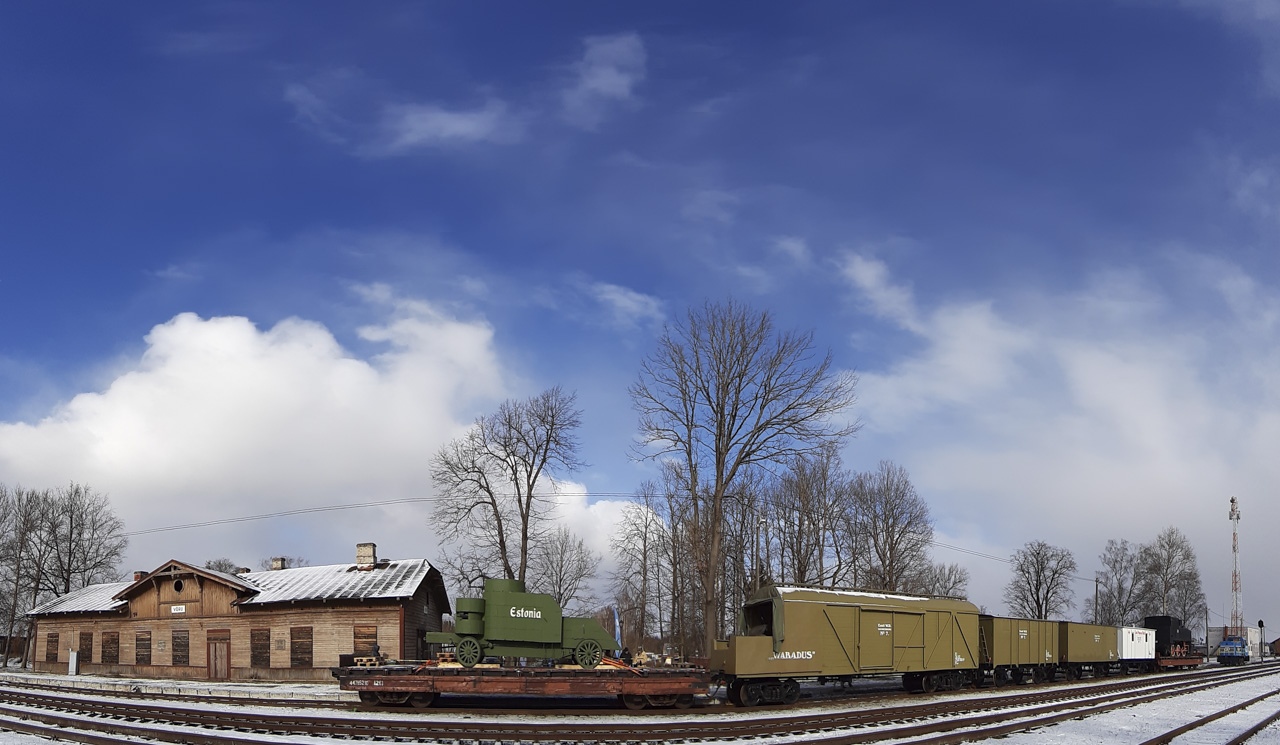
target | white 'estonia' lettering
x=526, y=613
x=804, y=655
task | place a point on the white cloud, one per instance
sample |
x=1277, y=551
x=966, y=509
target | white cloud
x=606, y=76
x=795, y=249
x=1076, y=417
x=710, y=205
x=345, y=107
x=218, y=418
x=626, y=307
x=409, y=127
x=1259, y=19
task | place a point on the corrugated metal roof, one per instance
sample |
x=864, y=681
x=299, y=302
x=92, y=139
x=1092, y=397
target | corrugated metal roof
x=395, y=579
x=236, y=580
x=91, y=599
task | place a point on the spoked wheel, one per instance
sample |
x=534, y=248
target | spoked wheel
x=633, y=701
x=422, y=700
x=790, y=692
x=684, y=700
x=751, y=695
x=588, y=653
x=390, y=698
x=929, y=683
x=468, y=651
x=368, y=697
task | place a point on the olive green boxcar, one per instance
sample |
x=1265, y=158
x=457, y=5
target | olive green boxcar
x=1086, y=647
x=1013, y=649
x=795, y=632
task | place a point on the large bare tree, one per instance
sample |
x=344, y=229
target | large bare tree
x=947, y=580
x=81, y=542
x=489, y=480
x=563, y=567
x=894, y=520
x=811, y=499
x=1041, y=584
x=726, y=390
x=1119, y=587
x=1170, y=575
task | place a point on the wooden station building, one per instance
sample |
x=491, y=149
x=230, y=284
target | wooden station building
x=182, y=621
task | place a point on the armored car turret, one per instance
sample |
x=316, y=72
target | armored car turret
x=509, y=622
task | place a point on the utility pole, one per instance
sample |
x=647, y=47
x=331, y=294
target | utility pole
x=1237, y=606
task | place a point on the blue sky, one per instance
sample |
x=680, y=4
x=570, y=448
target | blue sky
x=256, y=257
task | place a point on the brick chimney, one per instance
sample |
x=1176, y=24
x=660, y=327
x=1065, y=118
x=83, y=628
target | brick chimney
x=366, y=555
x=137, y=575
x=277, y=563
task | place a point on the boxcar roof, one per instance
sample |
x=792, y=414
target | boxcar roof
x=865, y=597
x=91, y=599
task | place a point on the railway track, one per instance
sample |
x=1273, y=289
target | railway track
x=89, y=719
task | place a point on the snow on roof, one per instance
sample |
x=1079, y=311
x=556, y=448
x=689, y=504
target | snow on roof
x=236, y=580
x=91, y=599
x=859, y=594
x=394, y=579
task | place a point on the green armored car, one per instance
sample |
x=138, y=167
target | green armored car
x=509, y=622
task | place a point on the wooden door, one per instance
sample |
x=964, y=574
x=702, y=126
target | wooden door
x=219, y=660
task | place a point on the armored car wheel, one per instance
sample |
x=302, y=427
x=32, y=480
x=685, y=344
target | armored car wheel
x=468, y=651
x=588, y=653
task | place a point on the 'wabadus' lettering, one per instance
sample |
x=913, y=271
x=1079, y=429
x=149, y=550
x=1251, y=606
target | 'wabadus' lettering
x=803, y=655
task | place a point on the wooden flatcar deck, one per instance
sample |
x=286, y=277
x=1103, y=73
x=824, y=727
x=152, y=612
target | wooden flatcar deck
x=660, y=686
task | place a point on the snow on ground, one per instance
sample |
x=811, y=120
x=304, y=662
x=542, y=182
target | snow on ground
x=1140, y=723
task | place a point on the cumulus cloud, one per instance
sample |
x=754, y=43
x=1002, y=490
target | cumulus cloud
x=1079, y=416
x=219, y=418
x=605, y=77
x=1258, y=19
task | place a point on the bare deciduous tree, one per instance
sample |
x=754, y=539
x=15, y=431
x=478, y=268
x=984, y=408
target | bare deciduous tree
x=82, y=540
x=1041, y=584
x=1119, y=587
x=811, y=500
x=724, y=391
x=22, y=513
x=947, y=580
x=489, y=479
x=224, y=565
x=1170, y=575
x=895, y=522
x=562, y=568
x=288, y=562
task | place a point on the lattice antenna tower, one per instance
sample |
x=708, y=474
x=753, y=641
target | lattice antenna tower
x=1237, y=605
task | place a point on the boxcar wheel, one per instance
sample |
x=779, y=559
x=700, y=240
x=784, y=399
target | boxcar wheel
x=929, y=683
x=998, y=677
x=632, y=701
x=751, y=694
x=734, y=694
x=468, y=651
x=790, y=692
x=588, y=653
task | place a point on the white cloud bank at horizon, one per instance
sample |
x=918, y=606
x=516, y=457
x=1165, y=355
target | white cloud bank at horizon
x=221, y=419
x=1110, y=412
